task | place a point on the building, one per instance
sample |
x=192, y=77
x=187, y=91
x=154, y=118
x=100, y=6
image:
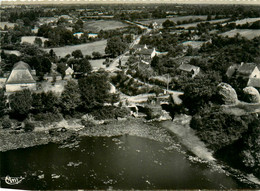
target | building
x=68, y=73
x=146, y=54
x=92, y=35
x=20, y=78
x=248, y=70
x=192, y=70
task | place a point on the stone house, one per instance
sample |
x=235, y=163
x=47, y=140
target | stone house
x=146, y=54
x=20, y=78
x=190, y=69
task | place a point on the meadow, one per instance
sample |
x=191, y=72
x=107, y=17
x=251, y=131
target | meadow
x=174, y=19
x=31, y=39
x=86, y=49
x=247, y=33
x=97, y=25
x=244, y=21
x=186, y=26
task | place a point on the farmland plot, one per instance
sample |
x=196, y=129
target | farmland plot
x=174, y=19
x=97, y=25
x=186, y=26
x=244, y=21
x=86, y=49
x=247, y=33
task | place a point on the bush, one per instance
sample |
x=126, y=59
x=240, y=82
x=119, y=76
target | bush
x=110, y=112
x=28, y=126
x=6, y=123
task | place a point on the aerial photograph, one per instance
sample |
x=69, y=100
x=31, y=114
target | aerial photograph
x=129, y=95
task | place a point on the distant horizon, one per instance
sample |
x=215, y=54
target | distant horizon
x=74, y=2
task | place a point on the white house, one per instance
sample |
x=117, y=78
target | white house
x=20, y=78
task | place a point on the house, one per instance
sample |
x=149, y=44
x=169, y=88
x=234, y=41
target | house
x=248, y=70
x=192, y=70
x=68, y=73
x=146, y=54
x=20, y=78
x=92, y=35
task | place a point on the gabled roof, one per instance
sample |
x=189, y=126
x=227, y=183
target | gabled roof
x=188, y=67
x=145, y=51
x=231, y=70
x=255, y=82
x=246, y=68
x=20, y=74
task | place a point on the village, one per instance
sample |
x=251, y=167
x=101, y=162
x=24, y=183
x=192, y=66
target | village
x=96, y=65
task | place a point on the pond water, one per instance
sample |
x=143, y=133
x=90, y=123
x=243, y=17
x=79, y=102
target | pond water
x=125, y=162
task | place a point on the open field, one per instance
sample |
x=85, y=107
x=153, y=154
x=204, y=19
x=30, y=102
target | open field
x=9, y=25
x=31, y=39
x=247, y=33
x=193, y=44
x=195, y=24
x=244, y=21
x=97, y=64
x=174, y=19
x=86, y=49
x=97, y=25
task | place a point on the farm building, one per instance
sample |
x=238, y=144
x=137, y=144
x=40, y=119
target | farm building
x=192, y=70
x=68, y=73
x=20, y=78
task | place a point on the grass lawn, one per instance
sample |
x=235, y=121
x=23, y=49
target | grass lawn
x=174, y=19
x=97, y=25
x=247, y=33
x=97, y=64
x=87, y=48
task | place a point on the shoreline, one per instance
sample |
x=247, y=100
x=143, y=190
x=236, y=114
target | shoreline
x=12, y=139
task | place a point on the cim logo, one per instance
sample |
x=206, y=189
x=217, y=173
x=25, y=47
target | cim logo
x=13, y=180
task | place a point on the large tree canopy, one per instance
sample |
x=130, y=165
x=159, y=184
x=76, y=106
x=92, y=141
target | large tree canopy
x=94, y=90
x=115, y=46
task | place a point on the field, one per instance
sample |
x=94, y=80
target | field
x=174, y=19
x=195, y=24
x=30, y=39
x=97, y=25
x=244, y=21
x=9, y=25
x=247, y=33
x=193, y=44
x=97, y=64
x=87, y=48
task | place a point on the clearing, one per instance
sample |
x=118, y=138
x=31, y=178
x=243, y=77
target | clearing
x=31, y=39
x=86, y=49
x=97, y=25
x=9, y=25
x=247, y=33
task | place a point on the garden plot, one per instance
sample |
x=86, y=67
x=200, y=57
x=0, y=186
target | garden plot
x=86, y=49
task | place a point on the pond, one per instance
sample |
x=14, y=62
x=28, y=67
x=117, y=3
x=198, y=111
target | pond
x=124, y=162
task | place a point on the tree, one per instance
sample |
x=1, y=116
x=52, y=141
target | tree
x=38, y=41
x=70, y=97
x=96, y=55
x=115, y=46
x=94, y=90
x=168, y=23
x=2, y=102
x=85, y=66
x=21, y=103
x=77, y=54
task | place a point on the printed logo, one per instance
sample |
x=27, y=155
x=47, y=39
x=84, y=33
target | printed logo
x=13, y=180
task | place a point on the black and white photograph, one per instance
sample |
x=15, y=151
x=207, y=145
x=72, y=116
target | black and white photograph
x=130, y=95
